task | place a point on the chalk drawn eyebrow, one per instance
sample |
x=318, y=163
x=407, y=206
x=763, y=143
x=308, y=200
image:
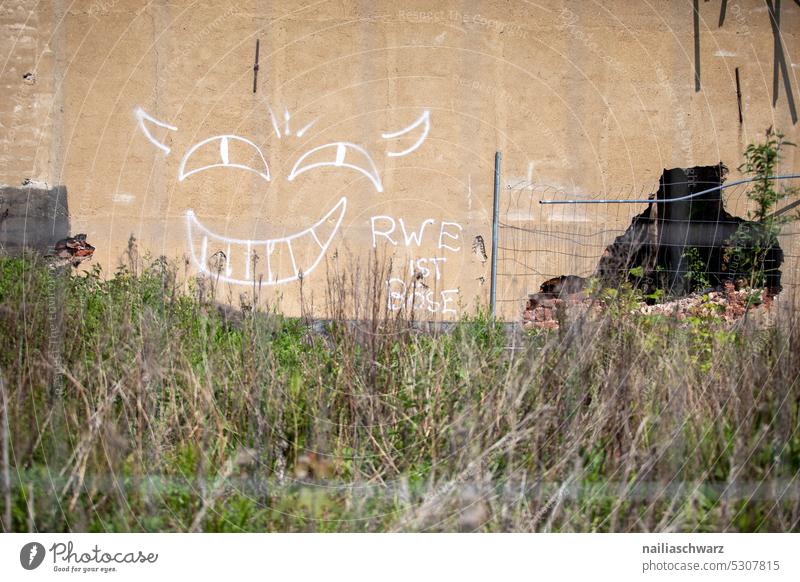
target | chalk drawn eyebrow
x=141, y=117
x=224, y=156
x=425, y=119
x=305, y=128
x=287, y=129
x=274, y=123
x=340, y=151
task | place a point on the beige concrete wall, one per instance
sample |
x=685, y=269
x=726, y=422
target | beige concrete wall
x=595, y=97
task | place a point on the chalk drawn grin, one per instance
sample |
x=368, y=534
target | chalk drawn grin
x=289, y=258
x=274, y=252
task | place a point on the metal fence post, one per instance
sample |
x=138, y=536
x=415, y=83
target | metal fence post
x=495, y=221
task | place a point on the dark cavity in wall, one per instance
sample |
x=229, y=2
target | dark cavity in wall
x=33, y=218
x=675, y=246
x=700, y=226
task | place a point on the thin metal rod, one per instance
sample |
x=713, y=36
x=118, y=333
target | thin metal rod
x=669, y=200
x=495, y=223
x=785, y=209
x=739, y=96
x=696, y=22
x=255, y=68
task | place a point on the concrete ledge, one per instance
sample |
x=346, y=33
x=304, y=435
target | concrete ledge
x=32, y=218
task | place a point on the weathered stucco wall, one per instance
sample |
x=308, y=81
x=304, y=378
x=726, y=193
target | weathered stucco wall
x=588, y=96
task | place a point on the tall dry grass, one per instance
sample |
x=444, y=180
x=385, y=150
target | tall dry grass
x=141, y=404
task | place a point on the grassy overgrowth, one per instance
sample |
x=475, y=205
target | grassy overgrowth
x=136, y=404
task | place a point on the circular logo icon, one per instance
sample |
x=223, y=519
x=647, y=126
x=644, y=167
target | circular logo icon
x=31, y=555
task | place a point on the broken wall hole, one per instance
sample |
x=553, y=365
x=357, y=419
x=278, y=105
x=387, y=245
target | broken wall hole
x=676, y=247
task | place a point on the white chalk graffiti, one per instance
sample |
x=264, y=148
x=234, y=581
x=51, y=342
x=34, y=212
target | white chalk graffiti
x=242, y=255
x=419, y=298
x=305, y=128
x=286, y=128
x=340, y=150
x=290, y=258
x=274, y=123
x=443, y=232
x=425, y=120
x=427, y=265
x=224, y=156
x=416, y=295
x=141, y=116
x=446, y=231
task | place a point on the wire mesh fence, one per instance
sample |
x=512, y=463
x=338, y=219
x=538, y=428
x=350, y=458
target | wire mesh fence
x=539, y=239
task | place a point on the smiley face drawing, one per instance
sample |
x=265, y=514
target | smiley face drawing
x=272, y=261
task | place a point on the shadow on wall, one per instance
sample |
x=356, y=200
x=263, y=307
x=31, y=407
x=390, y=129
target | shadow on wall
x=33, y=218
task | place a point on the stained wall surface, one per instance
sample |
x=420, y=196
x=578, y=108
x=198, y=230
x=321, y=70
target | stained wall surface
x=373, y=127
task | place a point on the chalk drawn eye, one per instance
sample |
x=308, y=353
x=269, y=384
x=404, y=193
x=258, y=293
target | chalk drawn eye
x=340, y=154
x=223, y=151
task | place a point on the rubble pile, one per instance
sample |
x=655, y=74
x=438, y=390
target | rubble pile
x=684, y=240
x=542, y=311
x=727, y=303
x=71, y=251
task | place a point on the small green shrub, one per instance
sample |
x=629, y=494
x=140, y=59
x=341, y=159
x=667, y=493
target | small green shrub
x=697, y=272
x=750, y=246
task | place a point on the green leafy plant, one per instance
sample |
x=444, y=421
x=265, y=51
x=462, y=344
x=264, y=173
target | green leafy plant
x=697, y=271
x=750, y=246
x=637, y=272
x=656, y=295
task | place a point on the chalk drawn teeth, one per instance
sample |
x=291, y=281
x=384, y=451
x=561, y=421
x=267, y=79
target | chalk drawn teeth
x=267, y=261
